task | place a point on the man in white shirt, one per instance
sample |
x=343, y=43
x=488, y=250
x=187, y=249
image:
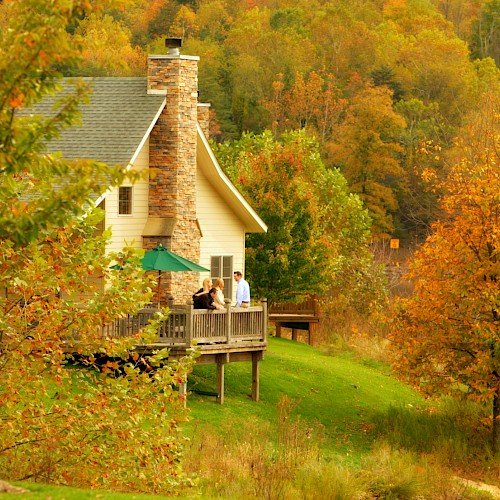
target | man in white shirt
x=242, y=290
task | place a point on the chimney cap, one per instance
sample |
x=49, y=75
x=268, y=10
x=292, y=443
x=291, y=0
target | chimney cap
x=173, y=44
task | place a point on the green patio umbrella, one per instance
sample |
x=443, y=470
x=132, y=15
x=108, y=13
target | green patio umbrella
x=160, y=259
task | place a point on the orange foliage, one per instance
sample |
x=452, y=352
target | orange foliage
x=392, y=7
x=446, y=336
x=152, y=9
x=365, y=147
x=312, y=102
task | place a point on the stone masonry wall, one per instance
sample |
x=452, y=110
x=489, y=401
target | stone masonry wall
x=204, y=118
x=172, y=188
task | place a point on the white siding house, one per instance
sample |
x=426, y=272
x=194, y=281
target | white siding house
x=188, y=205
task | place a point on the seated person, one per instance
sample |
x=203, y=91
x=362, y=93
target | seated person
x=205, y=300
x=207, y=284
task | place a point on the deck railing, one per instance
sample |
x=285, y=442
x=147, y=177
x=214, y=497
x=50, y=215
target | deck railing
x=185, y=325
x=308, y=307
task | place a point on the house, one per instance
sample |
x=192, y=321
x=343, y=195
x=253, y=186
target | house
x=186, y=202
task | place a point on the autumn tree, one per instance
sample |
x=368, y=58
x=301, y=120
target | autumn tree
x=212, y=74
x=313, y=102
x=79, y=425
x=344, y=37
x=184, y=22
x=446, y=335
x=462, y=13
x=317, y=232
x=486, y=35
x=366, y=149
x=256, y=54
x=447, y=80
x=213, y=20
x=160, y=15
x=422, y=142
x=384, y=76
x=108, y=49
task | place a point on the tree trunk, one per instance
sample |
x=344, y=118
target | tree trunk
x=495, y=438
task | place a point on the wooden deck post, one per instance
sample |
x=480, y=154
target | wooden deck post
x=264, y=318
x=256, y=358
x=312, y=332
x=188, y=332
x=294, y=334
x=221, y=360
x=228, y=320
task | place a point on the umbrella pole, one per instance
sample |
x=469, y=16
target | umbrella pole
x=159, y=283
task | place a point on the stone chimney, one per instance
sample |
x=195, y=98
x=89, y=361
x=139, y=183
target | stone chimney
x=172, y=156
x=204, y=118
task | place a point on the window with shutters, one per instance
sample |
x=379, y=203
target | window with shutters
x=221, y=266
x=125, y=200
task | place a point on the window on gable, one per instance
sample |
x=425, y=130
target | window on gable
x=125, y=200
x=221, y=266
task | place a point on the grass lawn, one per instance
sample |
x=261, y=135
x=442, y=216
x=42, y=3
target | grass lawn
x=46, y=492
x=336, y=394
x=338, y=399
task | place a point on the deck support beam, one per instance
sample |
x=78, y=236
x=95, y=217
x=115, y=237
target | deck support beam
x=296, y=325
x=221, y=360
x=220, y=383
x=256, y=358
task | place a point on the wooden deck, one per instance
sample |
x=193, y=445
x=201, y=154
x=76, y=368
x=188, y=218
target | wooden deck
x=230, y=335
x=301, y=316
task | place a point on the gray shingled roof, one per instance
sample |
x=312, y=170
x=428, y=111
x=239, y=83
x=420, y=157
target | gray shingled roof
x=113, y=123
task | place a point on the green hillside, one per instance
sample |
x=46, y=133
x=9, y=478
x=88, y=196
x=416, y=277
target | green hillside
x=331, y=426
x=339, y=395
x=326, y=426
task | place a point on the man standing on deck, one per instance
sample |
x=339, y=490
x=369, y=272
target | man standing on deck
x=242, y=291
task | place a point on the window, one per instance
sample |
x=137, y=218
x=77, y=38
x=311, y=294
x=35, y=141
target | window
x=125, y=200
x=221, y=266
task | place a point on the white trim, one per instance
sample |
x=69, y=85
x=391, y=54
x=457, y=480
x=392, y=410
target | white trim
x=254, y=224
x=228, y=187
x=103, y=196
x=148, y=131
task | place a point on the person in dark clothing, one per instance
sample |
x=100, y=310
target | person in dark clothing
x=207, y=284
x=205, y=300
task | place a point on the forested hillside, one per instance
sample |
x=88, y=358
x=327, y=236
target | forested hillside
x=384, y=85
x=343, y=124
